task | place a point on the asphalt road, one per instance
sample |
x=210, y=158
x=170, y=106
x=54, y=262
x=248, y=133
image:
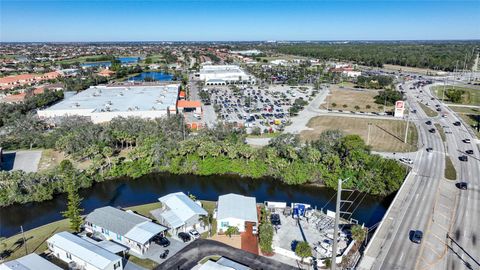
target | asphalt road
x=430, y=203
x=201, y=248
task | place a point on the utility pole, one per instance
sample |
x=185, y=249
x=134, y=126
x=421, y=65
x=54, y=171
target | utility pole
x=335, y=229
x=368, y=133
x=24, y=240
x=338, y=211
x=406, y=128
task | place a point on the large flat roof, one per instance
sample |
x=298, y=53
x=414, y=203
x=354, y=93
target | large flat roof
x=121, y=98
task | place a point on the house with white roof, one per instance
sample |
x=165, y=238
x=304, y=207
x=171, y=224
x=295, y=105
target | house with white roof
x=124, y=227
x=221, y=264
x=29, y=262
x=234, y=210
x=179, y=212
x=82, y=254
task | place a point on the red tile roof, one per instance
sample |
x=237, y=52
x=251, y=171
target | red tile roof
x=189, y=104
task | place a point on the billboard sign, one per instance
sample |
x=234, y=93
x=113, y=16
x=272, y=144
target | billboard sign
x=399, y=108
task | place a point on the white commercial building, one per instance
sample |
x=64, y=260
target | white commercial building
x=81, y=254
x=235, y=210
x=103, y=103
x=30, y=262
x=224, y=75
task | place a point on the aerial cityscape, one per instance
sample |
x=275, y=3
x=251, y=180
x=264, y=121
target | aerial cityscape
x=239, y=135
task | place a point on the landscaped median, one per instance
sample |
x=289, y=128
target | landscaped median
x=429, y=112
x=450, y=172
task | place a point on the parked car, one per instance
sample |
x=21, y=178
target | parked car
x=185, y=237
x=194, y=234
x=275, y=219
x=254, y=229
x=463, y=158
x=417, y=236
x=470, y=152
x=406, y=160
x=462, y=185
x=162, y=241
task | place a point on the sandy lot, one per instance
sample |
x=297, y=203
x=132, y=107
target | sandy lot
x=352, y=97
x=385, y=135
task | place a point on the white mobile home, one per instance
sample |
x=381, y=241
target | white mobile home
x=235, y=210
x=126, y=228
x=81, y=254
x=179, y=212
x=30, y=262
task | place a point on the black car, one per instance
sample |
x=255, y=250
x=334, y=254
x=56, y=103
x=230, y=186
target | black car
x=462, y=185
x=275, y=219
x=162, y=241
x=470, y=152
x=417, y=236
x=184, y=236
x=432, y=130
x=463, y=158
x=428, y=122
x=164, y=254
x=457, y=123
x=429, y=149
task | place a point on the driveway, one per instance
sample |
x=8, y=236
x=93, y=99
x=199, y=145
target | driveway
x=21, y=160
x=201, y=248
x=155, y=250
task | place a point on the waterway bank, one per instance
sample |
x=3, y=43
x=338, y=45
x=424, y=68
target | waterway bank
x=127, y=192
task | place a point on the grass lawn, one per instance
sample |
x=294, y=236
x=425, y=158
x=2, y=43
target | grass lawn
x=346, y=96
x=470, y=96
x=210, y=258
x=429, y=112
x=145, y=209
x=471, y=116
x=441, y=131
x=385, y=135
x=450, y=172
x=425, y=71
x=81, y=59
x=146, y=263
x=35, y=239
x=50, y=159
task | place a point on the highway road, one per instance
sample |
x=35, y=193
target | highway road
x=430, y=203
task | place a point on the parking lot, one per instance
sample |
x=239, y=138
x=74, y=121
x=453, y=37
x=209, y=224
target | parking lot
x=260, y=110
x=21, y=160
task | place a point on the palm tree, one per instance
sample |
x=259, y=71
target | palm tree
x=359, y=233
x=207, y=220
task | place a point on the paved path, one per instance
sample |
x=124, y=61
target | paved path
x=188, y=257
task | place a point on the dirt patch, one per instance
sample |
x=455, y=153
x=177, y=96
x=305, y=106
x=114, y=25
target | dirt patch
x=364, y=99
x=234, y=241
x=385, y=135
x=50, y=159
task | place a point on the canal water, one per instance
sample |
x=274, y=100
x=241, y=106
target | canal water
x=152, y=75
x=126, y=192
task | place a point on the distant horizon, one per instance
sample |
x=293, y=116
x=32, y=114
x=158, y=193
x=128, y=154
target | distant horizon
x=253, y=41
x=237, y=20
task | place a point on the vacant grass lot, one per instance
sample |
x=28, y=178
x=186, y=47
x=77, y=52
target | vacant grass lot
x=352, y=98
x=385, y=135
x=470, y=115
x=470, y=96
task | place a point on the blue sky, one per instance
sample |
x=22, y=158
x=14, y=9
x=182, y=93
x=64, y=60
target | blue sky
x=238, y=20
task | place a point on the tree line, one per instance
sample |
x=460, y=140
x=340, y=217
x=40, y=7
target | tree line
x=134, y=147
x=438, y=56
